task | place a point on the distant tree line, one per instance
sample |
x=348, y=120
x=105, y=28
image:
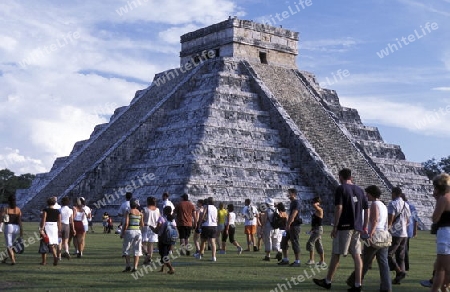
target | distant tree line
x=9, y=183
x=433, y=167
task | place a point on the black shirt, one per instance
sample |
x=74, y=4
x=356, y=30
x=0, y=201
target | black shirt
x=52, y=214
x=353, y=202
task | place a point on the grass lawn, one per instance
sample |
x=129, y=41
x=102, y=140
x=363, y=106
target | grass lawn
x=100, y=269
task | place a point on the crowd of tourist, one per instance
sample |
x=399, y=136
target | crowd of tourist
x=364, y=227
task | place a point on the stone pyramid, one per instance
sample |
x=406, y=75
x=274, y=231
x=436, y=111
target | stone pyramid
x=236, y=120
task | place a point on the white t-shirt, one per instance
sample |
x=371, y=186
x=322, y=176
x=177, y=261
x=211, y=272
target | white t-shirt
x=232, y=218
x=248, y=221
x=66, y=213
x=167, y=203
x=395, y=207
x=212, y=216
x=87, y=210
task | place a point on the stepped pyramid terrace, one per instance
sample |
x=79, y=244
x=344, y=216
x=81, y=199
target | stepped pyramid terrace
x=238, y=119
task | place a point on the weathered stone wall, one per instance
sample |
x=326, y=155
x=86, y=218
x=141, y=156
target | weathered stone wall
x=242, y=39
x=387, y=159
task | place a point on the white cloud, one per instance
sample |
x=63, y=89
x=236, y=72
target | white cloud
x=12, y=159
x=172, y=12
x=414, y=118
x=172, y=35
x=330, y=45
x=441, y=88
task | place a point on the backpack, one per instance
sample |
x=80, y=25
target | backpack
x=170, y=234
x=250, y=214
x=278, y=221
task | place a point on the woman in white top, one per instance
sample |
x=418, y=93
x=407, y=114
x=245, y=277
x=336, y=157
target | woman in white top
x=151, y=215
x=377, y=221
x=230, y=228
x=78, y=216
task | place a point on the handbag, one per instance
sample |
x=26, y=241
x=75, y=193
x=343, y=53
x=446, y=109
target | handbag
x=43, y=247
x=380, y=239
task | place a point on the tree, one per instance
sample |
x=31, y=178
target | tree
x=432, y=167
x=9, y=183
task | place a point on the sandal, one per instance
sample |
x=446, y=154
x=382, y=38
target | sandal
x=171, y=272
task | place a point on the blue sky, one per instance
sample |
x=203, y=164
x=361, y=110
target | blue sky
x=66, y=65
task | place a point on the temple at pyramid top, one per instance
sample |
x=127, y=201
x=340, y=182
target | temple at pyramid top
x=254, y=42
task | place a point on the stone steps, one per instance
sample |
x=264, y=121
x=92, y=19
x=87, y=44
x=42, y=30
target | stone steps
x=328, y=139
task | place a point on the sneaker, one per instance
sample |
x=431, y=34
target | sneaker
x=310, y=262
x=199, y=256
x=283, y=263
x=66, y=255
x=426, y=283
x=279, y=256
x=355, y=289
x=127, y=269
x=196, y=255
x=322, y=283
x=239, y=249
x=400, y=276
x=294, y=264
x=188, y=253
x=266, y=258
x=255, y=248
x=214, y=259
x=222, y=252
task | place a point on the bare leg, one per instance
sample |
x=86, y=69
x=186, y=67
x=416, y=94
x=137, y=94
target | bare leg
x=334, y=263
x=11, y=255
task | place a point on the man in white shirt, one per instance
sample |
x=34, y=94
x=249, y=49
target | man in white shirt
x=125, y=207
x=166, y=202
x=398, y=218
x=251, y=221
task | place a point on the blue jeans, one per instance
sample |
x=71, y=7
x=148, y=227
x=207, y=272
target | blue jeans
x=382, y=258
x=383, y=265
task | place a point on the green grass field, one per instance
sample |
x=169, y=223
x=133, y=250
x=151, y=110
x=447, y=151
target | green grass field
x=101, y=267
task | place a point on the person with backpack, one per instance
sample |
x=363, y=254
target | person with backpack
x=132, y=236
x=251, y=221
x=315, y=238
x=166, y=227
x=269, y=227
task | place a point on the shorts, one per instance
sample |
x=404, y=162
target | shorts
x=132, y=240
x=443, y=241
x=250, y=229
x=184, y=232
x=65, y=231
x=148, y=235
x=208, y=232
x=345, y=242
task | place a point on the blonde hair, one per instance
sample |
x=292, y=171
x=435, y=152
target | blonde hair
x=441, y=182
